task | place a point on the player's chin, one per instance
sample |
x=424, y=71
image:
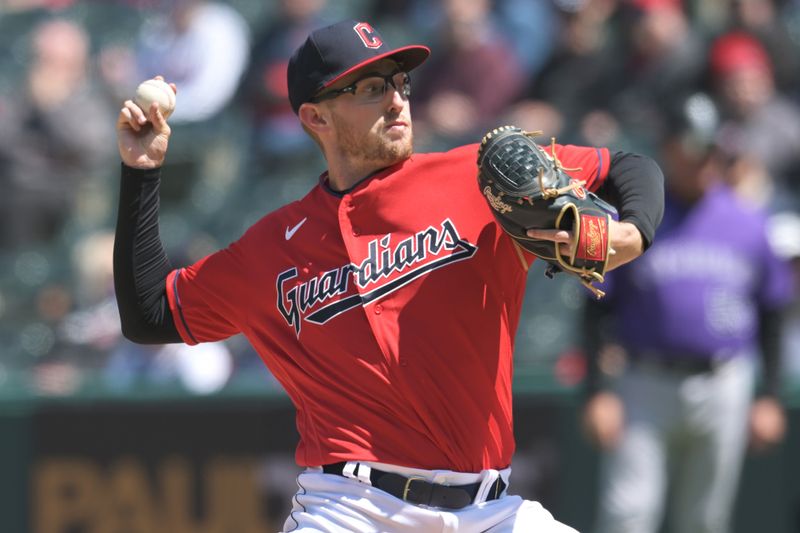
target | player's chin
x=400, y=149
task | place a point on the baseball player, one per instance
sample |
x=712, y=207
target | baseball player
x=707, y=299
x=385, y=301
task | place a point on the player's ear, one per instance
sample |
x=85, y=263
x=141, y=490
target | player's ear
x=314, y=118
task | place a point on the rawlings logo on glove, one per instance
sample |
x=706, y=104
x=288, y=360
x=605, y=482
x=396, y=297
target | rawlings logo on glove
x=526, y=189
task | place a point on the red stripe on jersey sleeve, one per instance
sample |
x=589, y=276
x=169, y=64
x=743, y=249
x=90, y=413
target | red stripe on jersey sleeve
x=585, y=163
x=177, y=309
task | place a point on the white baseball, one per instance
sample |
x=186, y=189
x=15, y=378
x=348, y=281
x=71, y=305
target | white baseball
x=150, y=91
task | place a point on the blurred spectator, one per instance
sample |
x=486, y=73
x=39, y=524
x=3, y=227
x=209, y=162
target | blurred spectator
x=764, y=20
x=664, y=64
x=277, y=135
x=471, y=79
x=54, y=137
x=745, y=173
x=25, y=5
x=93, y=325
x=201, y=46
x=537, y=116
x=201, y=369
x=759, y=122
x=92, y=339
x=582, y=75
x=82, y=316
x=532, y=28
x=707, y=298
x=528, y=27
x=419, y=20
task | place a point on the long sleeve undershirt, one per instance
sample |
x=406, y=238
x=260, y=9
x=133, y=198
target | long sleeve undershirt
x=635, y=186
x=140, y=262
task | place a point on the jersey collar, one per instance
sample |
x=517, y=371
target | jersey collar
x=324, y=179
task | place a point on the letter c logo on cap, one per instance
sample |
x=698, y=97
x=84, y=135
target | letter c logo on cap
x=367, y=35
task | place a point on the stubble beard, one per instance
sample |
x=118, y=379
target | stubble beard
x=373, y=148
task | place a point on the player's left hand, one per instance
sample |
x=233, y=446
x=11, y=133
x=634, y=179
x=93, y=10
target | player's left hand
x=767, y=423
x=625, y=240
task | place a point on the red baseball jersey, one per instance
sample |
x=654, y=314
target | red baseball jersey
x=387, y=313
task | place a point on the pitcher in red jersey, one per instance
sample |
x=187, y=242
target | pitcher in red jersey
x=385, y=301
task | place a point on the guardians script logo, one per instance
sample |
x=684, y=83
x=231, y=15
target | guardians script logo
x=387, y=267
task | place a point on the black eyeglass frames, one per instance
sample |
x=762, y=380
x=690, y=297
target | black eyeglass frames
x=372, y=87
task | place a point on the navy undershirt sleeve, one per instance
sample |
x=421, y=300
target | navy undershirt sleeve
x=635, y=186
x=141, y=265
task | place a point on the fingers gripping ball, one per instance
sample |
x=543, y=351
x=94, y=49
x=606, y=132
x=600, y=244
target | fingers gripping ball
x=527, y=188
x=158, y=91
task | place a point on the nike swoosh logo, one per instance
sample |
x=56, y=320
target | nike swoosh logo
x=290, y=232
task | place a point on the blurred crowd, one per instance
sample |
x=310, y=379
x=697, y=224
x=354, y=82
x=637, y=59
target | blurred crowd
x=599, y=72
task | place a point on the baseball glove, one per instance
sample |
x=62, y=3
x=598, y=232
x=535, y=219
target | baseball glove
x=527, y=188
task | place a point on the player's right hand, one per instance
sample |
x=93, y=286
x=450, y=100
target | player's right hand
x=142, y=135
x=604, y=419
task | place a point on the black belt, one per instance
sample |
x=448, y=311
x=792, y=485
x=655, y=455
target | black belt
x=698, y=365
x=418, y=491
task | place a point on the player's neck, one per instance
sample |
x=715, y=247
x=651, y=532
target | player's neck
x=344, y=176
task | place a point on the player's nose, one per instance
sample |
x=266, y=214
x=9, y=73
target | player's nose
x=397, y=100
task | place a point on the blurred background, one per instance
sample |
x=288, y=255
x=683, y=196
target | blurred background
x=98, y=434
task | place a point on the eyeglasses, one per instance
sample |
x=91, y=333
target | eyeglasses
x=372, y=88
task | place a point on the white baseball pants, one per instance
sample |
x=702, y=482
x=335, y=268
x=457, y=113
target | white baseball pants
x=335, y=504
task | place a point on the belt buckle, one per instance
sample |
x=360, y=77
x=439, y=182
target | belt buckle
x=407, y=486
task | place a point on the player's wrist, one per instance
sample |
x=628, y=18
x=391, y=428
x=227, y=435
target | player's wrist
x=630, y=232
x=135, y=172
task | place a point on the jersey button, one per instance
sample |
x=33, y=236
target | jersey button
x=378, y=309
x=355, y=232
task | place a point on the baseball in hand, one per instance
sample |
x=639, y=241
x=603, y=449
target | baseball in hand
x=154, y=90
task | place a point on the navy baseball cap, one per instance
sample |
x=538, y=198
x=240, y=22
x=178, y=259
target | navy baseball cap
x=332, y=52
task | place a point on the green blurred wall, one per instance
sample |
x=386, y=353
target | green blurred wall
x=554, y=464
